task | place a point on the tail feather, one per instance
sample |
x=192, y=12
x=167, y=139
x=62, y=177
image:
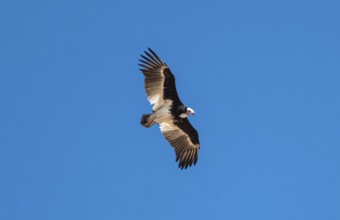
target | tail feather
x=146, y=120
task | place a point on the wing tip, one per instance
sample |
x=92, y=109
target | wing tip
x=187, y=161
x=151, y=51
x=154, y=56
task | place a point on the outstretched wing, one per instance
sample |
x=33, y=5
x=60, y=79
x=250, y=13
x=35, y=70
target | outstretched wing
x=184, y=138
x=159, y=81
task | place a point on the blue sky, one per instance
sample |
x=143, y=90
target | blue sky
x=262, y=76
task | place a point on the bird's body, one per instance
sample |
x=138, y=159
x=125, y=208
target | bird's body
x=168, y=110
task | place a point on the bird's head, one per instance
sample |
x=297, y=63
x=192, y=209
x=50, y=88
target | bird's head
x=190, y=111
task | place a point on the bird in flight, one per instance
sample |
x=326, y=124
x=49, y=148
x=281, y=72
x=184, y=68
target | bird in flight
x=168, y=111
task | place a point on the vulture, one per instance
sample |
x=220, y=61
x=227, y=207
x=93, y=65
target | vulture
x=168, y=111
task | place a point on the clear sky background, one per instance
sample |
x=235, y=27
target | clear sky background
x=262, y=76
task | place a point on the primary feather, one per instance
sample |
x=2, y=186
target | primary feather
x=168, y=110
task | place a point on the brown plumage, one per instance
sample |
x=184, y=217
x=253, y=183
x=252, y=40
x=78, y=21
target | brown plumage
x=168, y=110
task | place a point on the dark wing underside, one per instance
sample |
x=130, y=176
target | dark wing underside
x=160, y=86
x=159, y=81
x=184, y=138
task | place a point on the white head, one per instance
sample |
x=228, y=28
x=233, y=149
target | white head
x=190, y=111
